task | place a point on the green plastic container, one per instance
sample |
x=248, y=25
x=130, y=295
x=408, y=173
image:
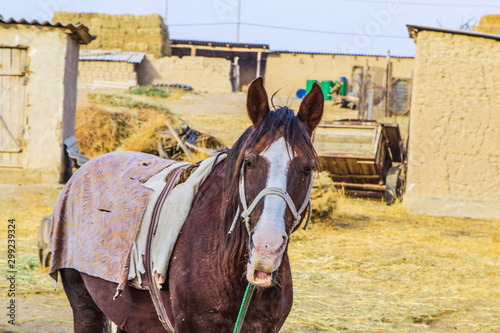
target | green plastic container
x=309, y=85
x=326, y=87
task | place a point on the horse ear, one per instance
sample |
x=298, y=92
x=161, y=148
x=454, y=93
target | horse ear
x=311, y=108
x=257, y=105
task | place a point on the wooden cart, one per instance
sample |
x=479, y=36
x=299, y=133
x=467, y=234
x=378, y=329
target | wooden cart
x=363, y=157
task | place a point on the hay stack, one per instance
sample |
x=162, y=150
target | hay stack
x=324, y=196
x=107, y=122
x=137, y=33
x=489, y=24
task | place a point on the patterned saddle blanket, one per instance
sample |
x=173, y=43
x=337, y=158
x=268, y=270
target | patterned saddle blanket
x=99, y=213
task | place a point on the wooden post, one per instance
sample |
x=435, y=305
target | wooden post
x=370, y=105
x=193, y=51
x=235, y=74
x=388, y=87
x=364, y=87
x=259, y=58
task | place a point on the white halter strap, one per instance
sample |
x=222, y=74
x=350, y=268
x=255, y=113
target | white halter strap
x=247, y=210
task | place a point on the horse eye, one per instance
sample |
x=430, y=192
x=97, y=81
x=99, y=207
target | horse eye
x=307, y=170
x=248, y=164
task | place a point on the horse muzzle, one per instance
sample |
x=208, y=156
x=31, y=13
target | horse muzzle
x=266, y=253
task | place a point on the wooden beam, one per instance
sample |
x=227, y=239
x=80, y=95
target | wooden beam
x=259, y=58
x=222, y=48
x=366, y=187
x=179, y=141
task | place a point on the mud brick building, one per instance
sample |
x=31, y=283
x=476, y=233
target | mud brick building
x=38, y=74
x=110, y=69
x=454, y=147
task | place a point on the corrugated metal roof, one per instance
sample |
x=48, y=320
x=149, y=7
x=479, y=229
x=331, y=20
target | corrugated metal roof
x=79, y=31
x=345, y=54
x=118, y=56
x=181, y=42
x=414, y=29
x=178, y=42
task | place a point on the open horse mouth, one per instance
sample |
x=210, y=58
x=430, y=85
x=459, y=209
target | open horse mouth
x=259, y=278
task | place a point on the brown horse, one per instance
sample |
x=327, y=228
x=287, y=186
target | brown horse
x=271, y=164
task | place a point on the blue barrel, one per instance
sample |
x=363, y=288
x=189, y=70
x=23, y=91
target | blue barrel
x=301, y=93
x=343, y=88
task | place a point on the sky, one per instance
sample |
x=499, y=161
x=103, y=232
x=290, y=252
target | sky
x=330, y=26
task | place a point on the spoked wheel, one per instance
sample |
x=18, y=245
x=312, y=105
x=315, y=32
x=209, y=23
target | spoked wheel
x=393, y=185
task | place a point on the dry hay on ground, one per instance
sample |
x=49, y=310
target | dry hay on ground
x=365, y=268
x=27, y=204
x=374, y=268
x=110, y=122
x=106, y=123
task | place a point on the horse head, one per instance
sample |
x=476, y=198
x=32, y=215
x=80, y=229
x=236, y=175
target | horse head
x=273, y=163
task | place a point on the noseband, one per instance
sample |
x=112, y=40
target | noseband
x=247, y=210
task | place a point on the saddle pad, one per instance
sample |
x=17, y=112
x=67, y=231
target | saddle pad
x=172, y=216
x=98, y=214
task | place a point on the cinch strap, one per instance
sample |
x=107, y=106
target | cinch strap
x=154, y=290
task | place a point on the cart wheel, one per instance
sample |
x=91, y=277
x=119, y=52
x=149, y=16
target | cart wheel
x=393, y=185
x=44, y=250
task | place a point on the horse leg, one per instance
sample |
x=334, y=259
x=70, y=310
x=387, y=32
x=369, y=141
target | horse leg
x=87, y=317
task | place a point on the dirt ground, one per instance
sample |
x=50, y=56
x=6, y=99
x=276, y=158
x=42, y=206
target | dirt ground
x=365, y=268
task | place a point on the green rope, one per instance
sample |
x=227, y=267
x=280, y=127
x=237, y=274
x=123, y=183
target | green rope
x=244, y=307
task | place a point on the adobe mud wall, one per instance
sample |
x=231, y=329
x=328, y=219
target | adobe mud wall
x=106, y=74
x=204, y=74
x=290, y=71
x=454, y=148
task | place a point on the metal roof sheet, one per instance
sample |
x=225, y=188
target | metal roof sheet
x=79, y=31
x=117, y=56
x=414, y=29
x=179, y=42
x=344, y=54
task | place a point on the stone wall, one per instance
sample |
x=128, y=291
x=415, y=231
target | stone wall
x=140, y=33
x=454, y=151
x=106, y=74
x=204, y=74
x=290, y=71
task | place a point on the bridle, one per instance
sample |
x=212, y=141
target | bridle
x=247, y=210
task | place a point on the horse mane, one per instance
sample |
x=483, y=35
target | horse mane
x=280, y=121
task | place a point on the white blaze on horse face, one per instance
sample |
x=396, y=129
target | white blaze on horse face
x=278, y=154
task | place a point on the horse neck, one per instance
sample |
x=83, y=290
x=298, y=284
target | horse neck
x=206, y=220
